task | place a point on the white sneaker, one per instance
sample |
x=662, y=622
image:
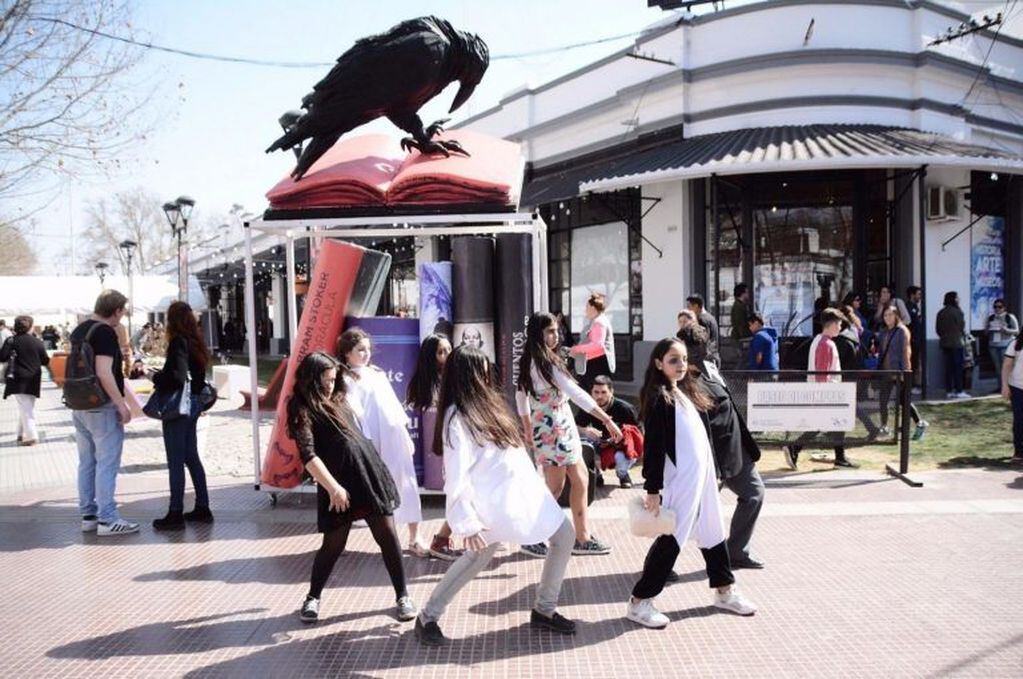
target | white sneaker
x=962, y=395
x=119, y=527
x=89, y=524
x=949, y=395
x=735, y=602
x=642, y=611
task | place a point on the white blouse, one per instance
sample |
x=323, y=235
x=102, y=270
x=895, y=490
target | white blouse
x=564, y=383
x=494, y=489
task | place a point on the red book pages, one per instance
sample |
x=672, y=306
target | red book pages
x=372, y=171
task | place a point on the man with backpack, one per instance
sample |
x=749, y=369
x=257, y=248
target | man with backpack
x=94, y=390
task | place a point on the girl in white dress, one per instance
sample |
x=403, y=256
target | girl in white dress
x=678, y=465
x=384, y=422
x=493, y=493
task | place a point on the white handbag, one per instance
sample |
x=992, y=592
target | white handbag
x=645, y=525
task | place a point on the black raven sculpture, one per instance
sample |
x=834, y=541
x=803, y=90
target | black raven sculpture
x=392, y=74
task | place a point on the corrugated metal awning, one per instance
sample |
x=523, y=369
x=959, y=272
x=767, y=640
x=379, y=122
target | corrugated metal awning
x=798, y=148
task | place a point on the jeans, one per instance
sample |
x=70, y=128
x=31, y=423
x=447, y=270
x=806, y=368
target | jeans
x=26, y=417
x=461, y=572
x=100, y=438
x=1016, y=395
x=623, y=464
x=749, y=488
x=179, y=441
x=998, y=357
x=953, y=369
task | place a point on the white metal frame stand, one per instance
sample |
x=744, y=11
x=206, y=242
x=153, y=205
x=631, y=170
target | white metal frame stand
x=389, y=226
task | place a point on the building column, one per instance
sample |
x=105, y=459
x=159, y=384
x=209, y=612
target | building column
x=1014, y=245
x=666, y=274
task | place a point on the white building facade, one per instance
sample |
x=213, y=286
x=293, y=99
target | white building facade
x=808, y=148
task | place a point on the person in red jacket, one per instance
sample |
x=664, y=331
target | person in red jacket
x=621, y=456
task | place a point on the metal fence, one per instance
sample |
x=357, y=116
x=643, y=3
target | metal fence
x=882, y=400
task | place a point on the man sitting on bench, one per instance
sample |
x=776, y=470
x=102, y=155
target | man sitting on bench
x=623, y=455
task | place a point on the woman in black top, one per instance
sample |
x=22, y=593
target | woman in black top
x=187, y=358
x=26, y=356
x=335, y=451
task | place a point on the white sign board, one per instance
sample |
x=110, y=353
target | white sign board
x=801, y=406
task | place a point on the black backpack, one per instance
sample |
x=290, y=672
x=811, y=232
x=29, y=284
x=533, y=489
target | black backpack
x=82, y=389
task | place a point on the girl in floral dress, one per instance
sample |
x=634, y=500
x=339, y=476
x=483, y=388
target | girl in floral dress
x=544, y=391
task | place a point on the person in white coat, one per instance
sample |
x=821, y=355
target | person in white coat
x=678, y=467
x=384, y=422
x=493, y=493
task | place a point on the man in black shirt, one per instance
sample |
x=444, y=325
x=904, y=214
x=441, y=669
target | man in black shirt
x=708, y=323
x=735, y=450
x=624, y=455
x=100, y=432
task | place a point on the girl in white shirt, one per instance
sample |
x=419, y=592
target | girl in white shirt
x=678, y=466
x=384, y=421
x=544, y=390
x=493, y=493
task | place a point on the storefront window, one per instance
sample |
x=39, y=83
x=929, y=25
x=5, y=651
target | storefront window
x=600, y=263
x=803, y=254
x=728, y=244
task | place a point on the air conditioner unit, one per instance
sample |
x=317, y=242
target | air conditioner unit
x=942, y=203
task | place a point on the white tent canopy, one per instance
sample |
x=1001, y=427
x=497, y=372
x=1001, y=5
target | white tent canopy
x=64, y=295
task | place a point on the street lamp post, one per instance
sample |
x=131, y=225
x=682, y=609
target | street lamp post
x=101, y=271
x=177, y=213
x=128, y=247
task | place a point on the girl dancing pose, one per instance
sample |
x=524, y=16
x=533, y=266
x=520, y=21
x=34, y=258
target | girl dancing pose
x=493, y=493
x=544, y=389
x=385, y=422
x=352, y=481
x=679, y=463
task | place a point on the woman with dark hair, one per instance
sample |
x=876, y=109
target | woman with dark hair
x=187, y=360
x=385, y=423
x=493, y=493
x=543, y=392
x=423, y=391
x=335, y=452
x=595, y=353
x=25, y=357
x=950, y=325
x=680, y=475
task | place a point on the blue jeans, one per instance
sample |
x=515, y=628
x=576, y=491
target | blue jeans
x=953, y=369
x=998, y=357
x=179, y=441
x=100, y=438
x=1016, y=395
x=623, y=464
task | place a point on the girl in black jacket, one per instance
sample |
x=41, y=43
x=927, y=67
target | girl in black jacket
x=352, y=480
x=679, y=462
x=187, y=358
x=27, y=356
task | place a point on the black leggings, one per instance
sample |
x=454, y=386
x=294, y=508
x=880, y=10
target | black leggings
x=382, y=528
x=661, y=559
x=885, y=395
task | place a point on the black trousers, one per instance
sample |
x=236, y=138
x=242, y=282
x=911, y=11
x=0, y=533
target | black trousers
x=661, y=559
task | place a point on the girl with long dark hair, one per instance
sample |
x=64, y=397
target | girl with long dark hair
x=678, y=466
x=352, y=482
x=385, y=422
x=187, y=360
x=493, y=493
x=423, y=392
x=543, y=392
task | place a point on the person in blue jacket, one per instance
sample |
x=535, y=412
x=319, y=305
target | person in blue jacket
x=763, y=349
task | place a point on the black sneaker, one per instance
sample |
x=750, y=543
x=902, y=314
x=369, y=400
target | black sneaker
x=310, y=612
x=593, y=546
x=173, y=521
x=537, y=551
x=199, y=515
x=625, y=482
x=429, y=634
x=848, y=464
x=556, y=623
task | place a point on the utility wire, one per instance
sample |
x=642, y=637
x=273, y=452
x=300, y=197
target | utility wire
x=302, y=64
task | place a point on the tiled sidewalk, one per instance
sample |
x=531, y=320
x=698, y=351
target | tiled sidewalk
x=865, y=577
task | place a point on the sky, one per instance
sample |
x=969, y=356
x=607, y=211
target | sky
x=214, y=119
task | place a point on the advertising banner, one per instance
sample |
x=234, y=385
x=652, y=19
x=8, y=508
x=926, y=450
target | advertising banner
x=987, y=277
x=801, y=406
x=513, y=299
x=436, y=308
